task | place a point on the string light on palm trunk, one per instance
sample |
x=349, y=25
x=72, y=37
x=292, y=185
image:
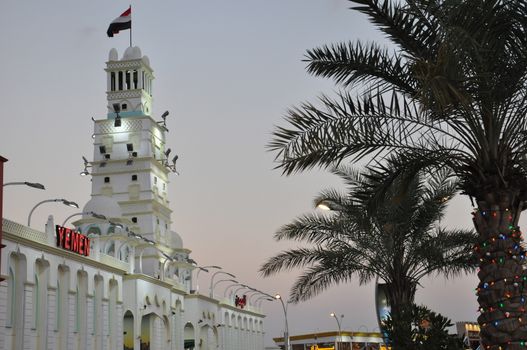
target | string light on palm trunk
x=501, y=288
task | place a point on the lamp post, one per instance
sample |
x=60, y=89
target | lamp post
x=30, y=184
x=94, y=214
x=233, y=285
x=340, y=330
x=62, y=200
x=211, y=288
x=2, y=161
x=258, y=302
x=204, y=268
x=235, y=292
x=223, y=280
x=286, y=331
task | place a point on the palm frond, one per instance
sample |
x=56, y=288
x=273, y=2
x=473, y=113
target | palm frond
x=349, y=128
x=351, y=64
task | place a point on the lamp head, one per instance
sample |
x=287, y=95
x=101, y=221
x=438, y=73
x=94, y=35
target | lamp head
x=332, y=314
x=164, y=115
x=70, y=203
x=278, y=296
x=35, y=185
x=324, y=205
x=98, y=216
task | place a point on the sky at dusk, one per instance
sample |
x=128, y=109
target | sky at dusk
x=227, y=70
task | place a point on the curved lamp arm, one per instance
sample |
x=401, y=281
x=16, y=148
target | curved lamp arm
x=62, y=200
x=204, y=268
x=30, y=184
x=212, y=280
x=92, y=213
x=233, y=285
x=286, y=332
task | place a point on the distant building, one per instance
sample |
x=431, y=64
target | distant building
x=469, y=332
x=122, y=281
x=347, y=340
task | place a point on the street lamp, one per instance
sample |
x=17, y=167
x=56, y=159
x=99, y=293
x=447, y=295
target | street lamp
x=261, y=299
x=340, y=330
x=30, y=184
x=286, y=331
x=62, y=200
x=233, y=285
x=92, y=213
x=235, y=292
x=224, y=280
x=259, y=296
x=204, y=268
x=211, y=288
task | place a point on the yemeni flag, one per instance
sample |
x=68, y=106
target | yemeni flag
x=123, y=22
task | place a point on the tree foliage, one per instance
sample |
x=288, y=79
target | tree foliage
x=419, y=328
x=395, y=238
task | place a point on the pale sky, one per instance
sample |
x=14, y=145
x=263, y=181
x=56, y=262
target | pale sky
x=227, y=70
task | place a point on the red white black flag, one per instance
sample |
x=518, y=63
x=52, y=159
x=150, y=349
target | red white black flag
x=123, y=22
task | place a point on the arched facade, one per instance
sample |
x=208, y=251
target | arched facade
x=122, y=279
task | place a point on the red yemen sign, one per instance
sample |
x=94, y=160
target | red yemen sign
x=73, y=241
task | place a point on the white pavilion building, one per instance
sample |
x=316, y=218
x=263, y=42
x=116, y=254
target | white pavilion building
x=130, y=287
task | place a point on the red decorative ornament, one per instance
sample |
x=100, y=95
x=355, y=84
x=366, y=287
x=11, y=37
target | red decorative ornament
x=240, y=302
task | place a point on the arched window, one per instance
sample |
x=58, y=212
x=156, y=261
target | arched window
x=62, y=303
x=98, y=311
x=11, y=298
x=36, y=301
x=112, y=312
x=81, y=308
x=94, y=230
x=18, y=273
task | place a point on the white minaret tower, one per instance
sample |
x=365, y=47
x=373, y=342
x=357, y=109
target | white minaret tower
x=131, y=162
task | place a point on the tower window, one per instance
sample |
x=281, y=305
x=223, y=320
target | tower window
x=134, y=177
x=107, y=179
x=124, y=106
x=134, y=220
x=120, y=76
x=112, y=81
x=134, y=154
x=155, y=179
x=107, y=156
x=164, y=186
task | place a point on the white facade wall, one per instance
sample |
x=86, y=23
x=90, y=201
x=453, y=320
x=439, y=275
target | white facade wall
x=138, y=276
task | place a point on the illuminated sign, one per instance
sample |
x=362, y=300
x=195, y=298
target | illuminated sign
x=73, y=241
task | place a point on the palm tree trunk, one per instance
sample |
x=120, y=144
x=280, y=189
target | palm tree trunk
x=401, y=295
x=501, y=290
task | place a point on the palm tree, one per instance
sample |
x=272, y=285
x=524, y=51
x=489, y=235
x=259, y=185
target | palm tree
x=451, y=95
x=419, y=328
x=395, y=239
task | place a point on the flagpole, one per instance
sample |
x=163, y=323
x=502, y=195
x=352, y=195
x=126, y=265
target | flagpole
x=131, y=25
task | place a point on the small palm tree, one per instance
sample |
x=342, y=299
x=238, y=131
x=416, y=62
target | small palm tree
x=452, y=94
x=419, y=328
x=396, y=239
